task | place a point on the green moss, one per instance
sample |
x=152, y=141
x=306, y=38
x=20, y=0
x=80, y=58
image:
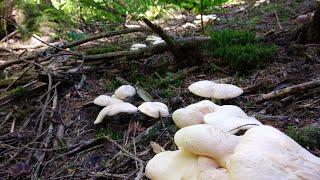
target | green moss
x=18, y=91
x=231, y=37
x=110, y=133
x=307, y=136
x=240, y=50
x=110, y=86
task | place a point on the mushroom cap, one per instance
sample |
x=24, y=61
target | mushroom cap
x=202, y=88
x=266, y=153
x=232, y=110
x=211, y=89
x=137, y=46
x=154, y=109
x=209, y=169
x=226, y=91
x=173, y=165
x=230, y=123
x=104, y=100
x=153, y=38
x=125, y=91
x=193, y=114
x=205, y=140
x=115, y=109
x=186, y=117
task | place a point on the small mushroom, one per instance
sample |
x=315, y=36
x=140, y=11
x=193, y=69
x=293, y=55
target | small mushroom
x=214, y=90
x=104, y=100
x=115, y=109
x=193, y=114
x=137, y=46
x=173, y=165
x=153, y=38
x=125, y=91
x=154, y=109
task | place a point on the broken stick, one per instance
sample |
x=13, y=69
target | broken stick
x=287, y=91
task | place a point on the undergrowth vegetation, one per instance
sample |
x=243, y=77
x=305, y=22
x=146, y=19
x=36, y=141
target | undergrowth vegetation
x=240, y=50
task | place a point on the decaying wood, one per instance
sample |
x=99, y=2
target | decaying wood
x=287, y=91
x=105, y=35
x=145, y=52
x=172, y=45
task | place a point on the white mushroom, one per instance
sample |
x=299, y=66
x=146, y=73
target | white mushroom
x=125, y=91
x=230, y=123
x=158, y=42
x=153, y=38
x=154, y=109
x=104, y=100
x=214, y=90
x=173, y=165
x=137, y=46
x=205, y=140
x=209, y=169
x=263, y=152
x=193, y=114
x=202, y=88
x=115, y=109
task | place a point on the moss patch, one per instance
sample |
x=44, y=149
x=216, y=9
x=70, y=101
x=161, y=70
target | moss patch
x=307, y=136
x=240, y=50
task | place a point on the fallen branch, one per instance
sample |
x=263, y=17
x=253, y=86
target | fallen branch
x=105, y=35
x=287, y=91
x=145, y=52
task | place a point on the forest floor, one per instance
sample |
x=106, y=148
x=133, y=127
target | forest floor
x=69, y=145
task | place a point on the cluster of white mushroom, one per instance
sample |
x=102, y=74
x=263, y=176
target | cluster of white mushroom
x=209, y=150
x=151, y=39
x=116, y=104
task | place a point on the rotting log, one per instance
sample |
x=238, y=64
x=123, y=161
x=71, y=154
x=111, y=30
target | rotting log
x=145, y=52
x=288, y=90
x=105, y=35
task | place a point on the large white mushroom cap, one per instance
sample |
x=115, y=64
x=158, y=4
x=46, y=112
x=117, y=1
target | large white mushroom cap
x=232, y=110
x=115, y=109
x=210, y=170
x=262, y=153
x=154, y=109
x=193, y=114
x=230, y=123
x=266, y=153
x=125, y=91
x=214, y=90
x=104, y=100
x=205, y=140
x=173, y=165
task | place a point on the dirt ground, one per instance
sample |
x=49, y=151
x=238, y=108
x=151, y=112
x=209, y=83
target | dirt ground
x=84, y=151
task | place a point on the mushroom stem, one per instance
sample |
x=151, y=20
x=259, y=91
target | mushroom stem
x=216, y=101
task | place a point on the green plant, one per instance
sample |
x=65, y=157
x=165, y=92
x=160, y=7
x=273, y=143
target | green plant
x=231, y=37
x=18, y=91
x=110, y=86
x=307, y=136
x=239, y=50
